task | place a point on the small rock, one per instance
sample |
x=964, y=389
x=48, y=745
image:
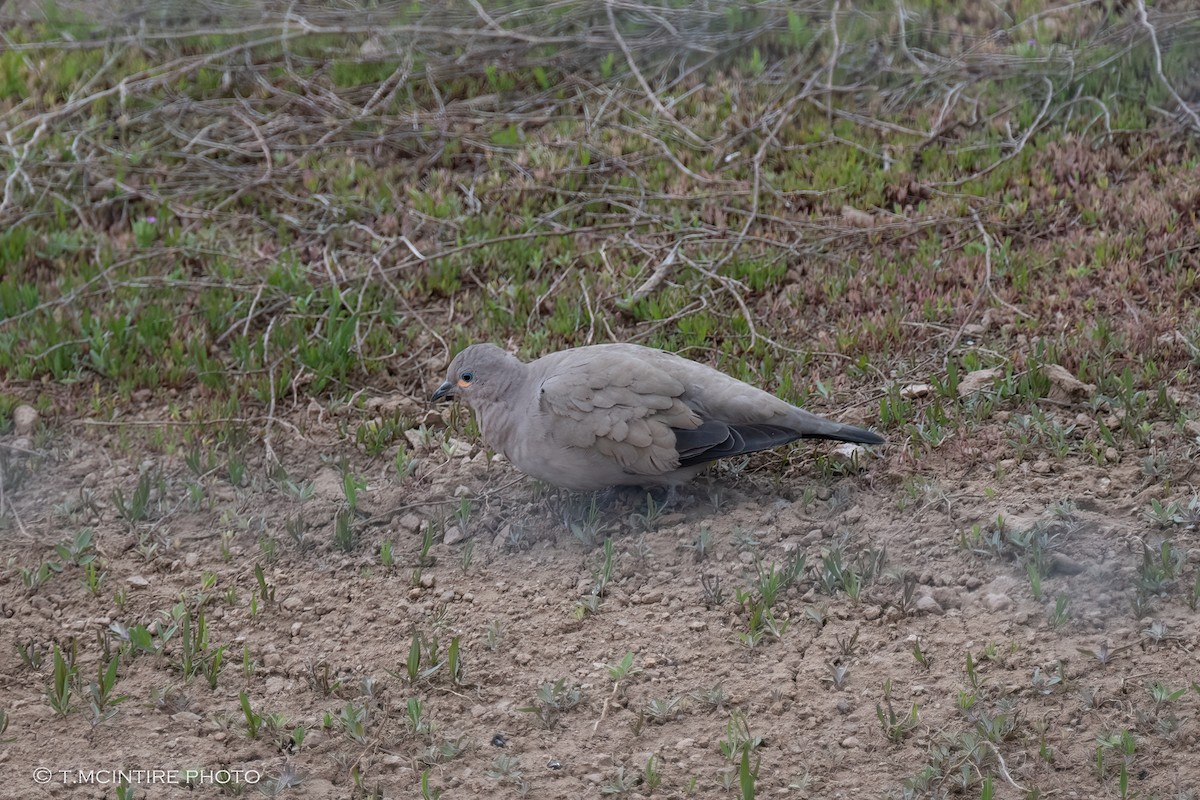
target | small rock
x=647, y=598
x=24, y=420
x=850, y=742
x=698, y=625
x=410, y=522
x=296, y=629
x=824, y=493
x=191, y=560
x=427, y=581
x=927, y=605
x=453, y=535
x=1111, y=455
x=972, y=583
x=1103, y=487
x=974, y=330
x=1041, y=467
x=1064, y=386
x=977, y=381
x=997, y=602
x=856, y=218
x=1065, y=565
x=594, y=777
x=813, y=536
x=851, y=456
x=448, y=596
x=187, y=717
x=1192, y=426
x=685, y=744
x=916, y=390
x=292, y=603
x=271, y=660
x=140, y=581
x=42, y=605
x=872, y=612
x=746, y=557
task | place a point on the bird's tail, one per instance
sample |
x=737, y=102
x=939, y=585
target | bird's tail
x=811, y=426
x=848, y=433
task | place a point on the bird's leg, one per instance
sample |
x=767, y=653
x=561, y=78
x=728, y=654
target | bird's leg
x=667, y=497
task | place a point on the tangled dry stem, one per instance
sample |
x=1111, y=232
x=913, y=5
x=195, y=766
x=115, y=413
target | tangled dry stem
x=227, y=150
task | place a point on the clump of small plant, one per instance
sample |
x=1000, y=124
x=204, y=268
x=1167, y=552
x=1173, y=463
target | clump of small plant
x=896, y=727
x=552, y=701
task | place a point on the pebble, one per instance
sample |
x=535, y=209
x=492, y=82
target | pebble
x=1103, y=487
x=746, y=557
x=851, y=456
x=685, y=744
x=428, y=581
x=1111, y=455
x=698, y=625
x=453, y=535
x=1041, y=467
x=997, y=602
x=648, y=598
x=140, y=581
x=872, y=612
x=977, y=381
x=850, y=742
x=292, y=603
x=1065, y=565
x=927, y=605
x=42, y=606
x=916, y=390
x=410, y=522
x=813, y=536
x=973, y=583
x=25, y=419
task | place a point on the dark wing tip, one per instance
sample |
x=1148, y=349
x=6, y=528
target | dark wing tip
x=849, y=433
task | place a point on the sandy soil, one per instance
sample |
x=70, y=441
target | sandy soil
x=338, y=632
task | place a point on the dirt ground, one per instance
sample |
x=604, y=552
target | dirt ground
x=338, y=631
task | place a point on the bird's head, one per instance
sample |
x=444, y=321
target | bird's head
x=480, y=372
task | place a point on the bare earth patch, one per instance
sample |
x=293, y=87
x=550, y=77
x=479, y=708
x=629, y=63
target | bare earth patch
x=331, y=641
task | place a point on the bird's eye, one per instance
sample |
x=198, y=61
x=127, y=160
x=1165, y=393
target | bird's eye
x=467, y=377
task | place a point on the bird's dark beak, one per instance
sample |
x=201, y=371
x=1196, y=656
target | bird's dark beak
x=446, y=390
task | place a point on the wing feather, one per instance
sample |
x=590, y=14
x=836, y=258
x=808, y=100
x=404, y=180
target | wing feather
x=625, y=408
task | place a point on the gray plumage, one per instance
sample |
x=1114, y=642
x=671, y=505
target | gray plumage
x=622, y=414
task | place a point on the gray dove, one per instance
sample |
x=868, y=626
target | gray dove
x=609, y=415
